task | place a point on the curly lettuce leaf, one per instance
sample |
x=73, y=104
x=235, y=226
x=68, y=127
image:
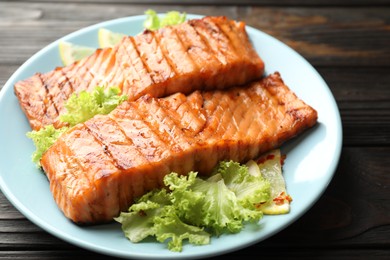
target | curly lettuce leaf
x=191, y=208
x=43, y=139
x=155, y=215
x=249, y=189
x=154, y=22
x=84, y=105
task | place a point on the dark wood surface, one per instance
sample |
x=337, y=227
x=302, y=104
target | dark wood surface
x=348, y=42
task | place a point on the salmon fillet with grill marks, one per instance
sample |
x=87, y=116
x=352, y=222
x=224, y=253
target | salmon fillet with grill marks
x=98, y=168
x=207, y=53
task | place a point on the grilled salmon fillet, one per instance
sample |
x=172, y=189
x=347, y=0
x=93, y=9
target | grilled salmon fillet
x=98, y=168
x=208, y=53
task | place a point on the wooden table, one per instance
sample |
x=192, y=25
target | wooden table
x=348, y=42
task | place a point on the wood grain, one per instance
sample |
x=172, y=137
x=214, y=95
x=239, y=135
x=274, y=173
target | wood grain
x=325, y=36
x=234, y=2
x=348, y=42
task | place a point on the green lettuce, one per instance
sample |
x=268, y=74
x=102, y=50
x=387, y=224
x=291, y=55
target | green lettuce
x=194, y=209
x=84, y=105
x=43, y=139
x=80, y=107
x=154, y=22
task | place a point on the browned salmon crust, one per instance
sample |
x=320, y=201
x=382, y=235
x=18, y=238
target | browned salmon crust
x=207, y=53
x=96, y=169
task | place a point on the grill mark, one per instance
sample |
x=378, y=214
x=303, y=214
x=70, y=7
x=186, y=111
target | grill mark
x=144, y=78
x=113, y=70
x=172, y=47
x=81, y=69
x=151, y=114
x=159, y=69
x=133, y=113
x=94, y=70
x=196, y=65
x=120, y=148
x=169, y=113
x=247, y=99
x=263, y=126
x=108, y=158
x=153, y=121
x=195, y=47
x=71, y=71
x=206, y=44
x=67, y=81
x=167, y=62
x=248, y=117
x=225, y=117
x=231, y=41
x=235, y=110
x=215, y=24
x=205, y=115
x=233, y=150
x=163, y=52
x=108, y=143
x=178, y=137
x=58, y=89
x=217, y=114
x=39, y=75
x=83, y=171
x=87, y=74
x=178, y=113
x=145, y=65
x=102, y=71
x=129, y=139
x=127, y=68
x=218, y=55
x=141, y=116
x=217, y=42
x=69, y=158
x=210, y=113
x=136, y=147
x=117, y=75
x=50, y=100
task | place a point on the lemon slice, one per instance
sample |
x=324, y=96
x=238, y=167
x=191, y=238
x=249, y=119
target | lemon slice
x=70, y=52
x=108, y=38
x=270, y=167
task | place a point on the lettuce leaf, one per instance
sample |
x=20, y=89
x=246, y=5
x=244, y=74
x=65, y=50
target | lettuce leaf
x=154, y=22
x=192, y=208
x=84, y=105
x=155, y=215
x=43, y=139
x=249, y=189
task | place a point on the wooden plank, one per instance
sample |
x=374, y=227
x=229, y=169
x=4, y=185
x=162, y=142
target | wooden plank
x=320, y=254
x=7, y=211
x=324, y=36
x=363, y=98
x=51, y=254
x=31, y=240
x=21, y=225
x=235, y=2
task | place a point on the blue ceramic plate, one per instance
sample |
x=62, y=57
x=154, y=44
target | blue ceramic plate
x=311, y=158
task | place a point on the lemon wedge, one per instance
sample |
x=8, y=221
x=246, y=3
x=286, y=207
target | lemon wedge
x=70, y=52
x=108, y=38
x=270, y=167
